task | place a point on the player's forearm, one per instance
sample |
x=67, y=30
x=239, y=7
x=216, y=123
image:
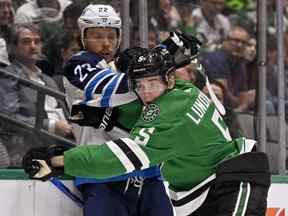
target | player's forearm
x=92, y=161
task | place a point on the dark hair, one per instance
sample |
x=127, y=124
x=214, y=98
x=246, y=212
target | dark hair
x=17, y=29
x=20, y=27
x=73, y=10
x=67, y=39
x=41, y=5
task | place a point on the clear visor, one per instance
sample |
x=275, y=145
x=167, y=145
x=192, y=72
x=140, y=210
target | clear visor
x=149, y=85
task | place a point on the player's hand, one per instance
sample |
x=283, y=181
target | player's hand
x=98, y=117
x=63, y=128
x=37, y=162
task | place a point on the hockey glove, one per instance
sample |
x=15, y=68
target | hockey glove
x=36, y=162
x=124, y=58
x=98, y=117
x=184, y=47
x=181, y=40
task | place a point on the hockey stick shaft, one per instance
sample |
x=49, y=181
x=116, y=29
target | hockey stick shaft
x=63, y=188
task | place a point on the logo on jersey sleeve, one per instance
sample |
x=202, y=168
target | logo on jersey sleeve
x=151, y=112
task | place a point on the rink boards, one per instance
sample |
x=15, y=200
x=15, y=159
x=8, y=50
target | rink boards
x=20, y=196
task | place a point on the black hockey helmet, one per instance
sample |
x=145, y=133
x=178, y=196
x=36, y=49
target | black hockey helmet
x=155, y=62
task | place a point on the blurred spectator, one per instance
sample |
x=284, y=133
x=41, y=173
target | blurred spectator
x=250, y=51
x=227, y=65
x=250, y=57
x=153, y=39
x=68, y=46
x=165, y=14
x=187, y=23
x=4, y=61
x=48, y=14
x=35, y=11
x=253, y=76
x=18, y=3
x=272, y=17
x=230, y=118
x=249, y=16
x=54, y=39
x=211, y=26
x=6, y=18
x=19, y=101
x=4, y=157
x=241, y=13
x=187, y=73
x=6, y=22
x=70, y=16
x=272, y=71
x=234, y=6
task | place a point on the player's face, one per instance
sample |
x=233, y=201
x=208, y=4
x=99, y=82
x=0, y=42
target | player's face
x=150, y=88
x=102, y=41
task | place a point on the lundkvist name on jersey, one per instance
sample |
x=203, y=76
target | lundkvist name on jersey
x=199, y=108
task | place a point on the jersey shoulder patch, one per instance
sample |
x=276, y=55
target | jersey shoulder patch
x=150, y=112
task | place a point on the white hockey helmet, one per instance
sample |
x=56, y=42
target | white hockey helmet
x=99, y=15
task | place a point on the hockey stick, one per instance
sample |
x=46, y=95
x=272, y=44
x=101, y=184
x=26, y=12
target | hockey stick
x=202, y=71
x=214, y=98
x=200, y=68
x=62, y=187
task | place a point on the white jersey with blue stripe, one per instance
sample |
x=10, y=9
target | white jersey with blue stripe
x=103, y=85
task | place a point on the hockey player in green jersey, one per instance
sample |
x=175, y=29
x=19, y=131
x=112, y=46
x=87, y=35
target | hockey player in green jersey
x=209, y=174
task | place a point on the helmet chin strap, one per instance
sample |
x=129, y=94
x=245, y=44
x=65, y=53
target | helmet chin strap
x=218, y=104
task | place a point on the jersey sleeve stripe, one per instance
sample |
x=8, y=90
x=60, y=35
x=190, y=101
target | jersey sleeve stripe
x=95, y=81
x=122, y=157
x=138, y=152
x=116, y=100
x=129, y=153
x=119, y=80
x=108, y=91
x=94, y=76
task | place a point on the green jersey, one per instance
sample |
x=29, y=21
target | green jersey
x=182, y=130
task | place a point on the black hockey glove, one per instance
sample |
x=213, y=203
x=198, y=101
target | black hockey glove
x=98, y=117
x=124, y=58
x=36, y=162
x=178, y=40
x=184, y=47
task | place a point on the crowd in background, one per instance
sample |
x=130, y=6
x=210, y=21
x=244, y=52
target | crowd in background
x=226, y=28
